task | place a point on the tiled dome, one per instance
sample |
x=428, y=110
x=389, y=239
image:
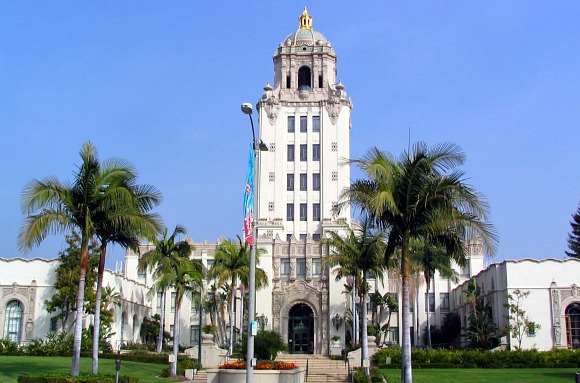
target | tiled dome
x=305, y=35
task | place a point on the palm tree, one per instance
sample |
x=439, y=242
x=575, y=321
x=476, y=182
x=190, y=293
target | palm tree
x=420, y=196
x=164, y=256
x=124, y=224
x=53, y=207
x=357, y=255
x=232, y=263
x=185, y=276
x=430, y=258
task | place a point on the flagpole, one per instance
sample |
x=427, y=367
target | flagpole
x=257, y=147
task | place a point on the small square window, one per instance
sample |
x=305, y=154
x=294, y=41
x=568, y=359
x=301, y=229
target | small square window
x=285, y=267
x=301, y=268
x=302, y=237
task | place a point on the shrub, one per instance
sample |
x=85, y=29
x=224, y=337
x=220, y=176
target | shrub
x=7, y=346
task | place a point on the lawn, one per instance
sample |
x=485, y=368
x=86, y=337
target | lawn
x=479, y=375
x=13, y=366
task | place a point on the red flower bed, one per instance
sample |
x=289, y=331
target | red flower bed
x=239, y=365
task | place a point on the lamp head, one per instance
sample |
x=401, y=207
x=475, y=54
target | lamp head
x=247, y=108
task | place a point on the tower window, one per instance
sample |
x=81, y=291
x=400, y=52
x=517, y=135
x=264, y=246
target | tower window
x=320, y=81
x=304, y=78
x=290, y=182
x=316, y=152
x=291, y=124
x=290, y=212
x=316, y=212
x=303, y=181
x=303, y=124
x=303, y=212
x=288, y=82
x=303, y=152
x=316, y=181
x=316, y=123
x=290, y=154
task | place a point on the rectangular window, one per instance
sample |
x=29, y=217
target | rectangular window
x=303, y=181
x=193, y=336
x=290, y=154
x=394, y=334
x=173, y=296
x=316, y=152
x=290, y=212
x=172, y=330
x=290, y=182
x=291, y=123
x=444, y=302
x=303, y=124
x=288, y=237
x=288, y=82
x=316, y=181
x=316, y=212
x=316, y=123
x=53, y=324
x=142, y=274
x=431, y=302
x=302, y=237
x=285, y=267
x=303, y=152
x=303, y=212
x=320, y=81
x=209, y=263
x=301, y=268
x=316, y=269
x=316, y=237
x=194, y=308
x=159, y=300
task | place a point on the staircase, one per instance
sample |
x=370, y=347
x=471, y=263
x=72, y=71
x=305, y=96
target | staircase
x=200, y=377
x=320, y=369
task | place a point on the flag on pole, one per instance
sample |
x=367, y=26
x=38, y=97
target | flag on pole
x=249, y=200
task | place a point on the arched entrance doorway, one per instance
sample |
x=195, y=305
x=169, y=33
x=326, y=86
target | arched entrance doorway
x=301, y=329
x=573, y=325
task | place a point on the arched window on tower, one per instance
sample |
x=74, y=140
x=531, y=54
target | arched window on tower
x=573, y=325
x=13, y=321
x=304, y=78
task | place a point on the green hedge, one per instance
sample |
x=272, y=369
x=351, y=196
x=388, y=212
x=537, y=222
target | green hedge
x=63, y=378
x=437, y=358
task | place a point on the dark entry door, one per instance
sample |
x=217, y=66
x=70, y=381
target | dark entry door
x=301, y=330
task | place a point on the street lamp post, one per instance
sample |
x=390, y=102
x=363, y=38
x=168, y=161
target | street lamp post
x=257, y=146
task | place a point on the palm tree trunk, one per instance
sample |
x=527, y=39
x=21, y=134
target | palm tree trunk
x=175, y=338
x=365, y=338
x=75, y=367
x=161, y=323
x=354, y=313
x=97, y=318
x=428, y=280
x=406, y=371
x=232, y=298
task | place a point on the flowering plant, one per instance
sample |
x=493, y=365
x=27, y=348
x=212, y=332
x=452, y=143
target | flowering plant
x=264, y=365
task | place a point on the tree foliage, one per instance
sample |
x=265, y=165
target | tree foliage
x=519, y=324
x=574, y=236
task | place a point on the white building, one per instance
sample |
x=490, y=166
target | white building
x=304, y=118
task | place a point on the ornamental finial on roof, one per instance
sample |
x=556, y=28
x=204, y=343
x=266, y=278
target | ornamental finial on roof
x=305, y=20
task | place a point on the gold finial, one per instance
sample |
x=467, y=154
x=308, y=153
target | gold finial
x=305, y=20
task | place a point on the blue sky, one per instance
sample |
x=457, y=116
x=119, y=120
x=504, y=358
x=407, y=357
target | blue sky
x=160, y=84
